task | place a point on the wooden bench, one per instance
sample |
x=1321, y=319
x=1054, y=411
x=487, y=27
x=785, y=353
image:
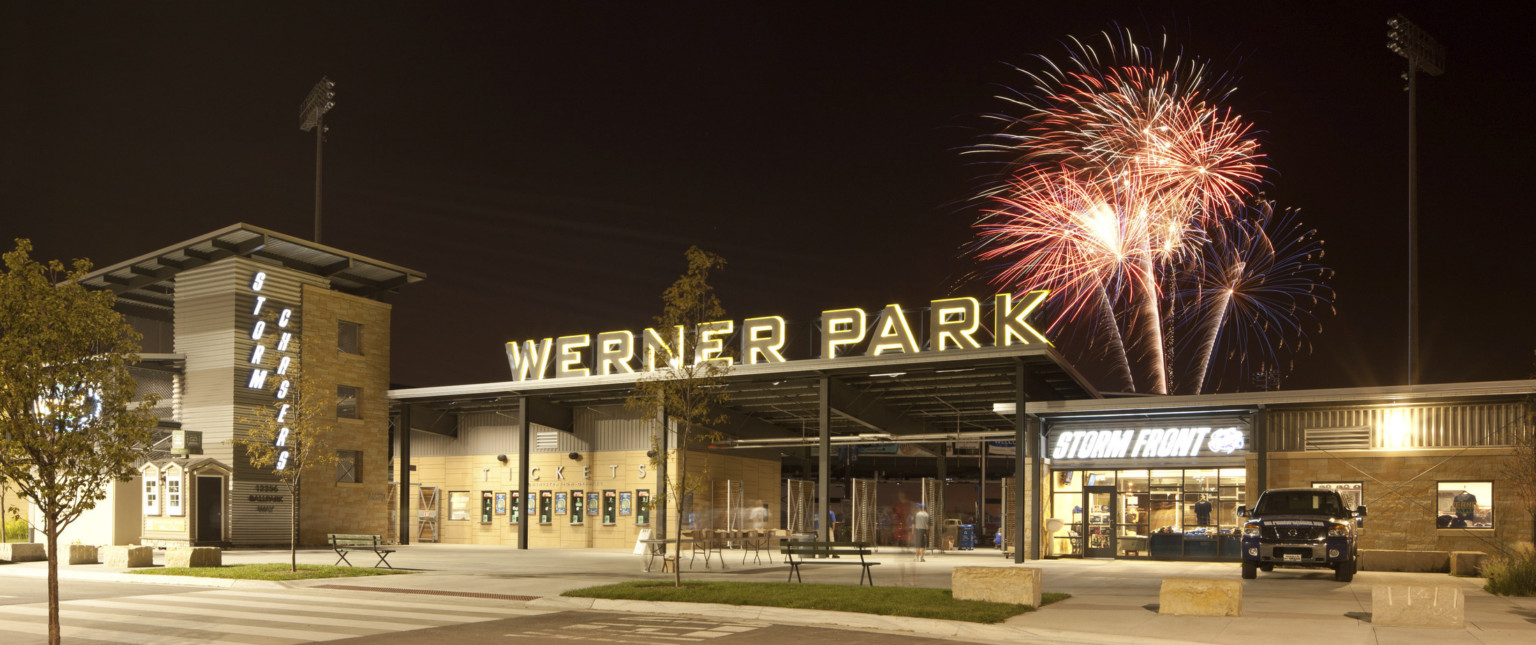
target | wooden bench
x=796, y=554
x=345, y=543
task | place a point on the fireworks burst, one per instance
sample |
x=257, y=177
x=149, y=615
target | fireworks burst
x=1124, y=191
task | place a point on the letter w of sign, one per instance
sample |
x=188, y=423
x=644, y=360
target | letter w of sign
x=1009, y=327
x=530, y=361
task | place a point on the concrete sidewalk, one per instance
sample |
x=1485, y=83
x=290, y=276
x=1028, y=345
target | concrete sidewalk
x=1114, y=601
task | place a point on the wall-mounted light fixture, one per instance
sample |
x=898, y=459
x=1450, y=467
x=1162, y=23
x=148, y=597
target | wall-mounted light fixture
x=501, y=458
x=575, y=456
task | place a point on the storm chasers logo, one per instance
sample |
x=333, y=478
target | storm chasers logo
x=1145, y=442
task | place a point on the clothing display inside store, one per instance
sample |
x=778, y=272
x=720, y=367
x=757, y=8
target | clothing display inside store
x=1161, y=513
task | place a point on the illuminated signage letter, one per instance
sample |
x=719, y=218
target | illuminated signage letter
x=892, y=333
x=711, y=345
x=282, y=342
x=257, y=353
x=568, y=348
x=530, y=361
x=954, y=319
x=654, y=344
x=258, y=379
x=1008, y=319
x=840, y=327
x=614, y=350
x=762, y=337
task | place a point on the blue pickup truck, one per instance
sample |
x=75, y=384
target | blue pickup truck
x=1301, y=527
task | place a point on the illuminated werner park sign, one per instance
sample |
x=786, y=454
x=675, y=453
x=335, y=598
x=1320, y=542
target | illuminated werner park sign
x=953, y=324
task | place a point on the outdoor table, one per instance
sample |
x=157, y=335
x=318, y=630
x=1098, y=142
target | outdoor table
x=657, y=547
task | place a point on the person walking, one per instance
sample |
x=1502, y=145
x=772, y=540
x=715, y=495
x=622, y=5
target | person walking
x=920, y=530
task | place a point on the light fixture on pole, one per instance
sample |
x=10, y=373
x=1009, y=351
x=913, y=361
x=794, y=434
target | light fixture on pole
x=1406, y=39
x=312, y=117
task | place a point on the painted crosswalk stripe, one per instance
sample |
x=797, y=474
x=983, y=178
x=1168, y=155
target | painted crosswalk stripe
x=68, y=632
x=312, y=606
x=204, y=623
x=368, y=606
x=323, y=619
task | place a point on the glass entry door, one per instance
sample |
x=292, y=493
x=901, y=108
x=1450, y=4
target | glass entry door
x=1099, y=516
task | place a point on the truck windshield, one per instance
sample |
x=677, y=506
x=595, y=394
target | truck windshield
x=1300, y=502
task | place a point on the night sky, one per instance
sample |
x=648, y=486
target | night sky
x=546, y=164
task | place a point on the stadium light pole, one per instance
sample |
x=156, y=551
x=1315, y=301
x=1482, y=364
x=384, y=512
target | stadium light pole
x=1424, y=54
x=312, y=117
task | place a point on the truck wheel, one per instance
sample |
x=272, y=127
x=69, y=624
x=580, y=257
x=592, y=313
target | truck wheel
x=1266, y=567
x=1250, y=570
x=1345, y=572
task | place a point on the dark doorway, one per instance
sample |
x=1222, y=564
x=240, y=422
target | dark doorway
x=210, y=509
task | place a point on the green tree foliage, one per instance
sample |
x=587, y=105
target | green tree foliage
x=68, y=422
x=684, y=393
x=292, y=437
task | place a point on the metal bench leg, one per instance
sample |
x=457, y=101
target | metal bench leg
x=383, y=561
x=343, y=555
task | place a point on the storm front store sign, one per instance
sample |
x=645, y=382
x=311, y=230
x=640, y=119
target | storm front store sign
x=1193, y=440
x=952, y=324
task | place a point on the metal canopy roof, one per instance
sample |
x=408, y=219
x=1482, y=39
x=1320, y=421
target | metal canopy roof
x=925, y=393
x=148, y=279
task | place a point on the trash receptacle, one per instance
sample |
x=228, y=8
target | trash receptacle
x=967, y=537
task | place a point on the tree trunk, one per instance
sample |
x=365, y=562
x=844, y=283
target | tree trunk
x=682, y=480
x=51, y=530
x=293, y=528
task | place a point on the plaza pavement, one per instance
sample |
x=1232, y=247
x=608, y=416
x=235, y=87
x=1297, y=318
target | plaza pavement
x=1113, y=601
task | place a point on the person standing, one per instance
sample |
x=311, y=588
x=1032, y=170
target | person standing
x=920, y=530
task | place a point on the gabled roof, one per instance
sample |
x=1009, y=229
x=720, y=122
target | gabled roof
x=148, y=279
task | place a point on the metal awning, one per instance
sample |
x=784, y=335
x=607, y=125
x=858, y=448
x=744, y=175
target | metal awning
x=148, y=280
x=922, y=394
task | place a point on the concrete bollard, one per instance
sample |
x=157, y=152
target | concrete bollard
x=1200, y=597
x=1418, y=606
x=193, y=556
x=128, y=557
x=23, y=551
x=1018, y=585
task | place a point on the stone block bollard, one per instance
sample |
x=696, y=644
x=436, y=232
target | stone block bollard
x=23, y=552
x=1418, y=606
x=128, y=557
x=193, y=556
x=1200, y=597
x=1018, y=585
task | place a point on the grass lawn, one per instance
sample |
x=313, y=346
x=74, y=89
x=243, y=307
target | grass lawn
x=917, y=602
x=271, y=571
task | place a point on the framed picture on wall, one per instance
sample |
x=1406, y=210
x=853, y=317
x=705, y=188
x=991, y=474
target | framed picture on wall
x=560, y=503
x=626, y=503
x=594, y=503
x=501, y=503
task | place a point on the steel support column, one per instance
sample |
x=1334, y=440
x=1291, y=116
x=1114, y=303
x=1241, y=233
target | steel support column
x=1023, y=452
x=405, y=473
x=524, y=426
x=823, y=466
x=1037, y=482
x=1260, y=480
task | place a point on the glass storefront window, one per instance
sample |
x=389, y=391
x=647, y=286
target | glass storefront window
x=1353, y=493
x=1172, y=513
x=1464, y=505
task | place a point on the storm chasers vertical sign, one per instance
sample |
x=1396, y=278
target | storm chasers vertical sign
x=272, y=324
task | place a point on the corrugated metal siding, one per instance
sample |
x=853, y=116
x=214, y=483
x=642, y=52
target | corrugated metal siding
x=1447, y=425
x=488, y=433
x=608, y=428
x=614, y=428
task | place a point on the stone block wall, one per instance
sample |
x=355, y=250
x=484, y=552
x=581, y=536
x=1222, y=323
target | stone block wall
x=1400, y=494
x=327, y=506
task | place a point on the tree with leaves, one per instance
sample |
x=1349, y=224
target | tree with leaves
x=683, y=392
x=292, y=437
x=69, y=426
x=1520, y=469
